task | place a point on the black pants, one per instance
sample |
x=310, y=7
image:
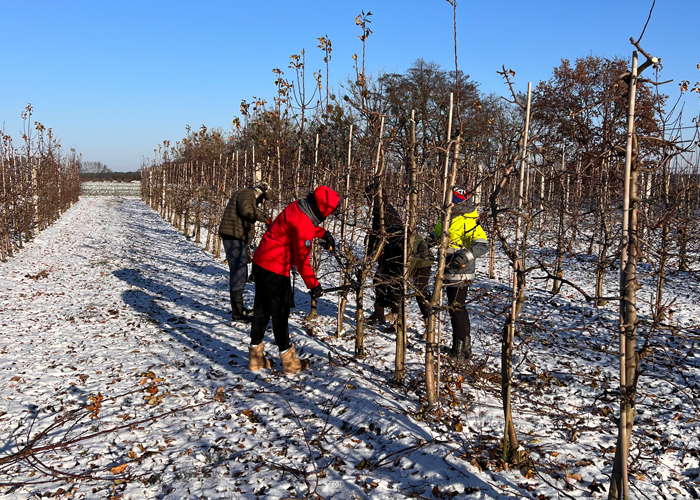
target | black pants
x=387, y=282
x=421, y=277
x=459, y=317
x=271, y=301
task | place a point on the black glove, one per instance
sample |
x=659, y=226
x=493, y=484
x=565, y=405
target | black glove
x=316, y=292
x=460, y=259
x=328, y=242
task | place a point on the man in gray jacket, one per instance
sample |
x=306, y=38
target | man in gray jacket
x=237, y=230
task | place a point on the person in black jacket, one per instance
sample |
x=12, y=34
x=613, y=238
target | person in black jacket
x=237, y=231
x=387, y=278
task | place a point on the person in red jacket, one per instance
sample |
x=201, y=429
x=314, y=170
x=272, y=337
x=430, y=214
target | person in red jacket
x=287, y=243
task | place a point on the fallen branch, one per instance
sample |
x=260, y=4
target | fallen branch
x=30, y=452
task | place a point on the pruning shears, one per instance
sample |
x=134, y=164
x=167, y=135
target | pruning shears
x=353, y=281
x=341, y=288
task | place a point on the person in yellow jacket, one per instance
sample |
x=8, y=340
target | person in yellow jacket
x=467, y=242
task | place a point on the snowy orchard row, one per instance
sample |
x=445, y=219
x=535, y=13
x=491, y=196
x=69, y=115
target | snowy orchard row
x=113, y=315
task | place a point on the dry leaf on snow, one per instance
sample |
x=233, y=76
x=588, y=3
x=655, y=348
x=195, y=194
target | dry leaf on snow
x=119, y=468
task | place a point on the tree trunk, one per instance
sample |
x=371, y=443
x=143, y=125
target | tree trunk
x=619, y=486
x=603, y=246
x=343, y=300
x=409, y=228
x=664, y=250
x=684, y=232
x=511, y=451
x=559, y=255
x=360, y=322
x=431, y=346
x=198, y=174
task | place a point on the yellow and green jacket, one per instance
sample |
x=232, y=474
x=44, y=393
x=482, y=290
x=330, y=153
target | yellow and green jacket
x=464, y=233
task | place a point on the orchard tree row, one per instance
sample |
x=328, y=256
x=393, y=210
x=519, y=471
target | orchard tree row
x=594, y=161
x=39, y=183
x=578, y=128
x=572, y=168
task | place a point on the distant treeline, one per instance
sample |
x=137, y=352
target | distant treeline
x=111, y=177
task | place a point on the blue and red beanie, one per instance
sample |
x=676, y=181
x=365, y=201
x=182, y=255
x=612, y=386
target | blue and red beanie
x=459, y=195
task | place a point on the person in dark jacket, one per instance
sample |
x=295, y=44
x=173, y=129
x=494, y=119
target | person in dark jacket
x=389, y=273
x=287, y=243
x=467, y=242
x=237, y=230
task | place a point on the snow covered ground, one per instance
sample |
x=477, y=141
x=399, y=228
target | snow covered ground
x=121, y=376
x=109, y=188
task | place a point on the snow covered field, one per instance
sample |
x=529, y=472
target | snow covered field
x=107, y=188
x=120, y=368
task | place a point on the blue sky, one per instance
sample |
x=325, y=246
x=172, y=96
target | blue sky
x=114, y=79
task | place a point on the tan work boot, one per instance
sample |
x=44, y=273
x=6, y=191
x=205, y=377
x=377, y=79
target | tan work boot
x=257, y=359
x=291, y=364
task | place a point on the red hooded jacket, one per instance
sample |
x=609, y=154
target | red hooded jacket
x=287, y=242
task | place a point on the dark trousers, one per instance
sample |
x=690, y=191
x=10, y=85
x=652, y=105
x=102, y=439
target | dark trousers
x=237, y=258
x=421, y=277
x=387, y=284
x=459, y=317
x=271, y=301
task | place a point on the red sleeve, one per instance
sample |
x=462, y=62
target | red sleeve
x=319, y=232
x=301, y=251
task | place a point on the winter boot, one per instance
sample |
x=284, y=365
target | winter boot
x=256, y=357
x=377, y=316
x=291, y=364
x=458, y=351
x=238, y=311
x=467, y=350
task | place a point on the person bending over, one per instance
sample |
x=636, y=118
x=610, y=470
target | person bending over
x=287, y=243
x=237, y=231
